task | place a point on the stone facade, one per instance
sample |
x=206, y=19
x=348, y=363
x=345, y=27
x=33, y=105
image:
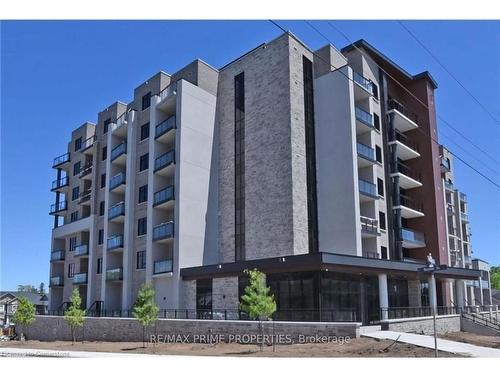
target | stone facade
x=225, y=293
x=445, y=324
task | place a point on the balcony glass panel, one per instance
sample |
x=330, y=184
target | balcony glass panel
x=363, y=82
x=80, y=278
x=163, y=195
x=164, y=230
x=115, y=242
x=119, y=150
x=57, y=255
x=366, y=151
x=88, y=142
x=117, y=180
x=165, y=126
x=164, y=160
x=81, y=250
x=369, y=225
x=56, y=207
x=114, y=274
x=56, y=281
x=162, y=266
x=116, y=210
x=169, y=90
x=61, y=159
x=363, y=116
x=367, y=187
x=56, y=184
x=412, y=236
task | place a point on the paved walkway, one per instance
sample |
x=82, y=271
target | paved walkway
x=428, y=342
x=17, y=352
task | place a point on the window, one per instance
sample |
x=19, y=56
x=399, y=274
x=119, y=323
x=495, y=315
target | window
x=144, y=131
x=381, y=219
x=146, y=101
x=99, y=265
x=375, y=90
x=142, y=227
x=141, y=260
x=72, y=243
x=78, y=144
x=380, y=187
x=104, y=153
x=239, y=165
x=76, y=168
x=103, y=180
x=144, y=162
x=143, y=193
x=100, y=239
x=101, y=208
x=378, y=154
x=383, y=251
x=376, y=121
x=71, y=270
x=106, y=125
x=75, y=193
x=74, y=216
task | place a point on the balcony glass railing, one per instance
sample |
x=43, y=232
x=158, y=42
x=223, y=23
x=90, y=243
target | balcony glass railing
x=86, y=169
x=81, y=250
x=119, y=150
x=56, y=184
x=80, y=278
x=366, y=187
x=366, y=151
x=61, y=159
x=165, y=126
x=57, y=255
x=117, y=180
x=163, y=195
x=114, y=274
x=164, y=160
x=116, y=210
x=56, y=207
x=412, y=236
x=169, y=90
x=120, y=121
x=162, y=266
x=56, y=281
x=363, y=82
x=163, y=230
x=369, y=225
x=115, y=242
x=89, y=142
x=365, y=117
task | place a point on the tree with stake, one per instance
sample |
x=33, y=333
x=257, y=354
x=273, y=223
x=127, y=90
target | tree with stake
x=24, y=315
x=145, y=309
x=74, y=316
x=257, y=301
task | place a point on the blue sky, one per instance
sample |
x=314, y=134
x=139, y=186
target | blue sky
x=57, y=75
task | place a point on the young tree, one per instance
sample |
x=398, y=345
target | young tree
x=145, y=309
x=257, y=302
x=74, y=316
x=24, y=315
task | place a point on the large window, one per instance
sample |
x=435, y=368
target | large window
x=104, y=153
x=78, y=143
x=141, y=260
x=106, y=125
x=398, y=292
x=103, y=180
x=101, y=208
x=144, y=131
x=144, y=162
x=75, y=193
x=99, y=265
x=142, y=228
x=204, y=298
x=239, y=166
x=71, y=270
x=74, y=216
x=76, y=168
x=143, y=193
x=72, y=243
x=146, y=101
x=101, y=237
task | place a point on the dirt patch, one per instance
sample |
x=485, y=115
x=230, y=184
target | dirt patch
x=362, y=347
x=472, y=338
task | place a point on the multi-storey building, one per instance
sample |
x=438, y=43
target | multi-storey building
x=312, y=166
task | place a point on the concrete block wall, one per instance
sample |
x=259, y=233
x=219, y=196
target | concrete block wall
x=425, y=325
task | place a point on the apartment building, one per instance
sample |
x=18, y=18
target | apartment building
x=312, y=166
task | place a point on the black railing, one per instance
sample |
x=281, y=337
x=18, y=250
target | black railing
x=407, y=171
x=86, y=169
x=56, y=207
x=406, y=141
x=394, y=104
x=61, y=159
x=410, y=203
x=56, y=184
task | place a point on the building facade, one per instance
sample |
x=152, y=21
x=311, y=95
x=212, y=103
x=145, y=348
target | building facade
x=312, y=166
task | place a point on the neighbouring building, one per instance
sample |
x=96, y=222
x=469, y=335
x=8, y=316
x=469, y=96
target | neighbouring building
x=312, y=166
x=10, y=300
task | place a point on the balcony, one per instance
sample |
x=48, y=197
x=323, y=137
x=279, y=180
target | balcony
x=468, y=259
x=445, y=165
x=117, y=212
x=412, y=239
x=464, y=217
x=449, y=186
x=363, y=87
x=167, y=98
x=164, y=163
x=164, y=198
x=410, y=209
x=117, y=183
x=162, y=267
x=56, y=281
x=450, y=209
x=58, y=207
x=115, y=274
x=463, y=197
x=57, y=256
x=163, y=232
x=364, y=121
x=119, y=127
x=86, y=171
x=404, y=120
x=59, y=184
x=85, y=197
x=87, y=145
x=119, y=154
x=61, y=160
x=115, y=243
x=405, y=148
x=80, y=278
x=369, y=227
x=366, y=155
x=81, y=251
x=163, y=131
x=368, y=190
x=407, y=178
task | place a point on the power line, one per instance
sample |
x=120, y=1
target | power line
x=412, y=95
x=449, y=72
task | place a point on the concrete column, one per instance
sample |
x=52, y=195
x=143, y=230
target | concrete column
x=383, y=295
x=481, y=298
x=432, y=291
x=460, y=288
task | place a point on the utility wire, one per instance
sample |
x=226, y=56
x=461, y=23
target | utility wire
x=449, y=72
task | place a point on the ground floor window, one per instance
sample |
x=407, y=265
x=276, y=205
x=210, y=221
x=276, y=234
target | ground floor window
x=204, y=298
x=398, y=292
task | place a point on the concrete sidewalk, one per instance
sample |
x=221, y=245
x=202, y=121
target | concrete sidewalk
x=20, y=353
x=428, y=342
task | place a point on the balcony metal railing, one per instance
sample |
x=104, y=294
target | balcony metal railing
x=406, y=141
x=57, y=255
x=56, y=184
x=365, y=151
x=61, y=159
x=163, y=230
x=164, y=160
x=114, y=274
x=165, y=126
x=119, y=150
x=367, y=187
x=57, y=207
x=363, y=82
x=56, y=281
x=85, y=195
x=169, y=90
x=365, y=117
x=412, y=236
x=116, y=210
x=404, y=169
x=394, y=104
x=115, y=242
x=80, y=250
x=117, y=180
x=410, y=203
x=89, y=142
x=162, y=266
x=80, y=278
x=120, y=121
x=86, y=169
x=163, y=195
x=369, y=225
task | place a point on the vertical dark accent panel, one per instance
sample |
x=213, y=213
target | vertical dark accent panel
x=239, y=166
x=312, y=200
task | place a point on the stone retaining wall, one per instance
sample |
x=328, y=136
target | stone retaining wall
x=424, y=325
